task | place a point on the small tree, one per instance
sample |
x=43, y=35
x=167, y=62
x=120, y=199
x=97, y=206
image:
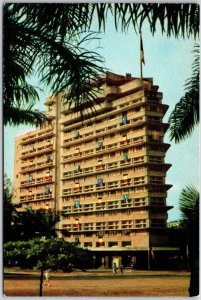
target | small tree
x=189, y=206
x=54, y=254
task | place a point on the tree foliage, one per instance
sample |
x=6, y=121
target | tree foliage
x=189, y=206
x=9, y=210
x=52, y=253
x=31, y=224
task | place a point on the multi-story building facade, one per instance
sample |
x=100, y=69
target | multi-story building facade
x=105, y=173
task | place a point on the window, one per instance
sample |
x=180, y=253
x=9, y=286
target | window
x=112, y=244
x=139, y=201
x=112, y=204
x=77, y=187
x=140, y=223
x=76, y=204
x=77, y=168
x=100, y=143
x=126, y=243
x=76, y=134
x=126, y=197
x=126, y=224
x=113, y=225
x=124, y=119
x=124, y=138
x=88, y=226
x=125, y=156
x=87, y=244
x=77, y=152
x=138, y=159
x=125, y=180
x=76, y=224
x=47, y=190
x=100, y=164
x=139, y=180
x=100, y=182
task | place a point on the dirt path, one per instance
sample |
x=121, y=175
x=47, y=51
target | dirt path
x=102, y=285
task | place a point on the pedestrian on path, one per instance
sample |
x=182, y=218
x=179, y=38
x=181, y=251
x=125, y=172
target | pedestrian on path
x=121, y=269
x=47, y=278
x=114, y=268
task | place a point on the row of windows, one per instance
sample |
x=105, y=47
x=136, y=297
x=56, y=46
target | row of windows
x=37, y=134
x=127, y=106
x=36, y=145
x=39, y=150
x=101, y=205
x=77, y=135
x=114, y=225
x=45, y=195
x=115, y=165
x=135, y=189
x=101, y=242
x=116, y=123
x=79, y=152
x=39, y=180
x=117, y=107
x=39, y=162
x=109, y=182
x=101, y=144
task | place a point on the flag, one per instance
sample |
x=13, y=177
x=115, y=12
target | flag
x=141, y=51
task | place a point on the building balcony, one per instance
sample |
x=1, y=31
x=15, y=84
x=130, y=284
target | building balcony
x=117, y=185
x=130, y=101
x=107, y=226
x=134, y=85
x=34, y=167
x=70, y=116
x=38, y=151
x=123, y=202
x=102, y=132
x=110, y=165
x=78, y=153
x=35, y=197
x=37, y=134
x=36, y=181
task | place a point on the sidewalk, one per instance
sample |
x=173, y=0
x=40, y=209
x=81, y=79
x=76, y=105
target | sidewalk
x=98, y=273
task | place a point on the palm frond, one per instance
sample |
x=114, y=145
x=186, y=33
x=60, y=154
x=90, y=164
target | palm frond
x=189, y=204
x=16, y=116
x=174, y=19
x=73, y=69
x=185, y=115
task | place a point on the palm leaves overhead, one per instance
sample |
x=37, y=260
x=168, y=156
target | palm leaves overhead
x=174, y=19
x=185, y=115
x=56, y=56
x=44, y=39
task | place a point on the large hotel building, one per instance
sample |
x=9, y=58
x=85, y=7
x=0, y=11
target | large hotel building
x=106, y=173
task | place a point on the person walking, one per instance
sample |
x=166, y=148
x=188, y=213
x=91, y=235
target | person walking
x=121, y=269
x=114, y=267
x=47, y=278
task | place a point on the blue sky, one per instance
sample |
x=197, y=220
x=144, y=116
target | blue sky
x=168, y=61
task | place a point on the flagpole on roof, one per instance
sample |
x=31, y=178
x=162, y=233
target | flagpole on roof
x=142, y=60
